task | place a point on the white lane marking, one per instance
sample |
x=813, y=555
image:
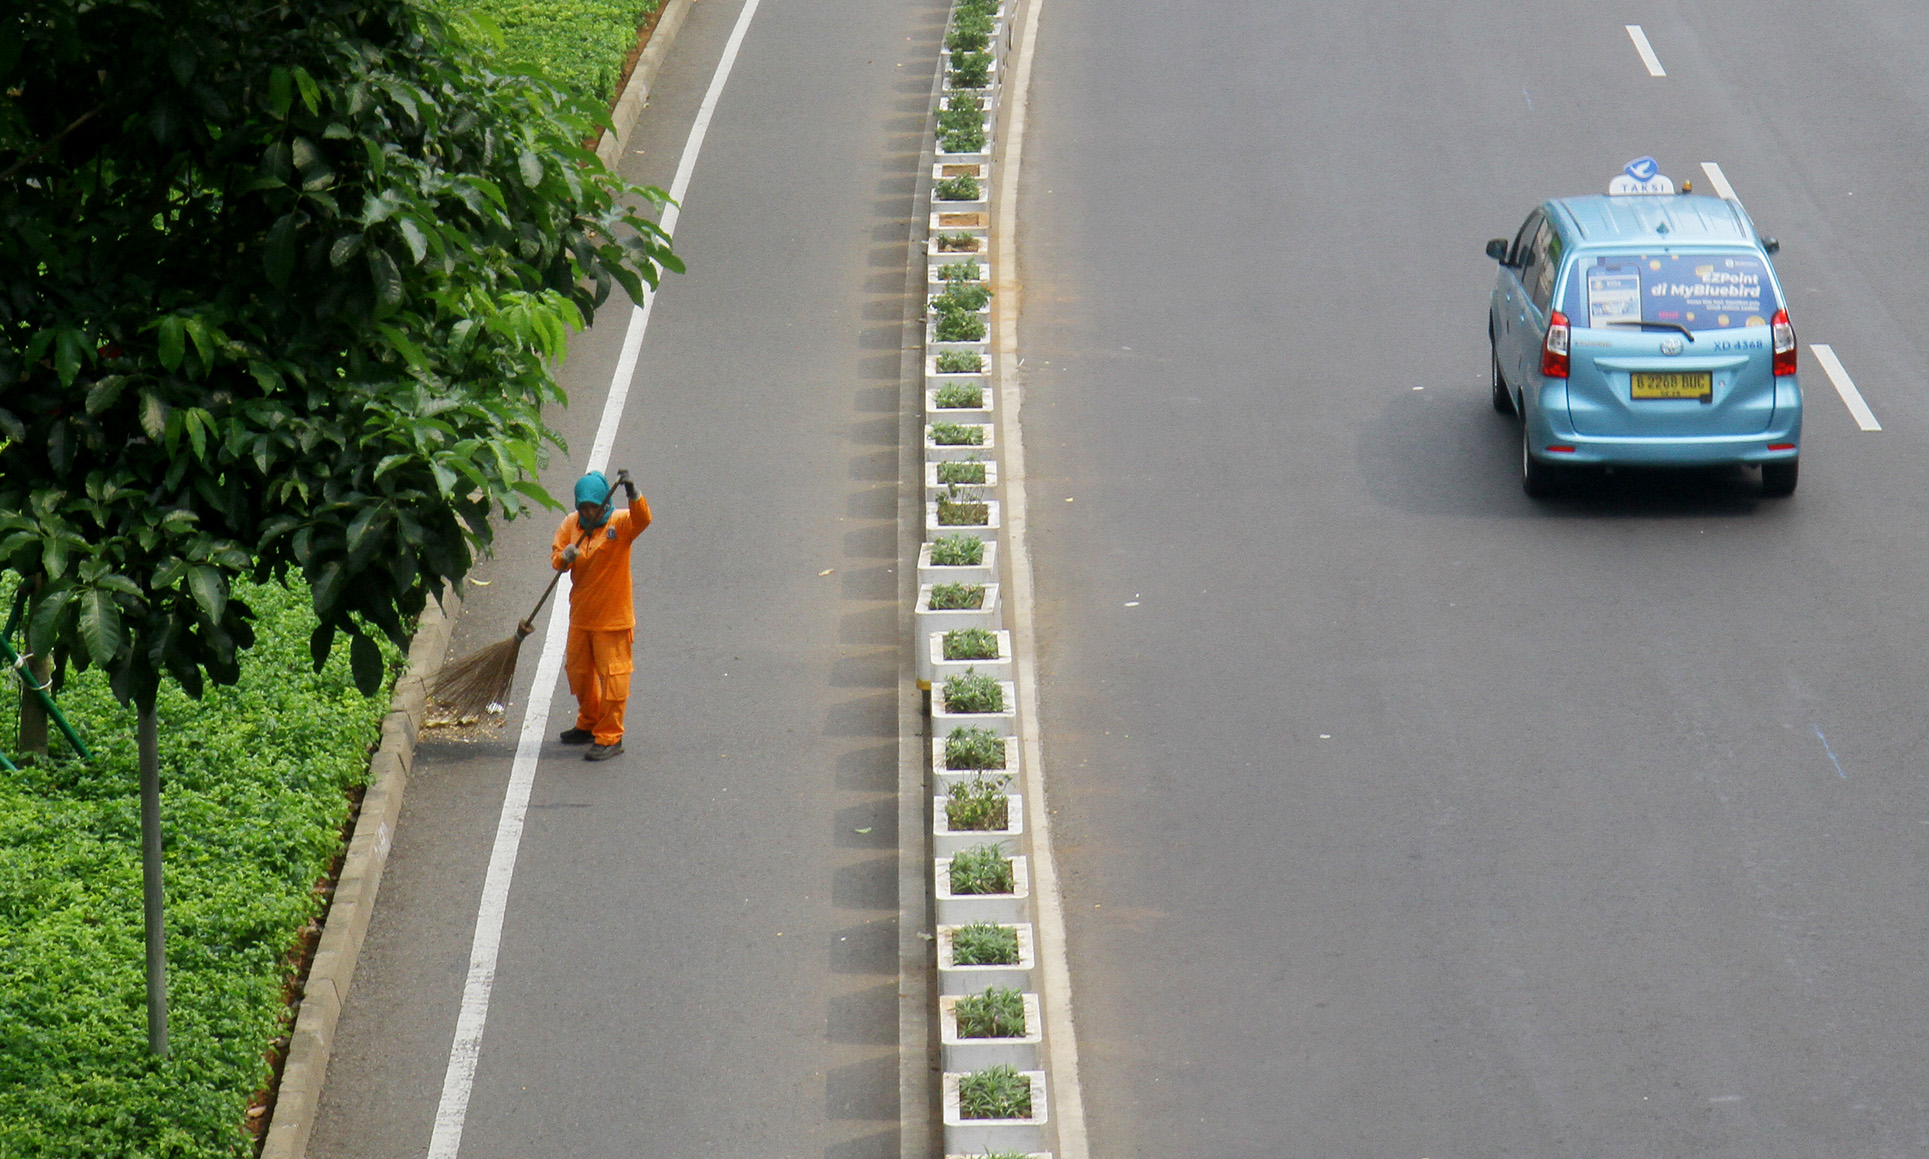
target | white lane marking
x=1845, y=386
x=458, y=1081
x=1646, y=50
x=1719, y=180
x=1061, y=1042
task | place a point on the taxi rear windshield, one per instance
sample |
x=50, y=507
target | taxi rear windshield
x=1701, y=291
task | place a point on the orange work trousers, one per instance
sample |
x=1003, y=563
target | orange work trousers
x=599, y=667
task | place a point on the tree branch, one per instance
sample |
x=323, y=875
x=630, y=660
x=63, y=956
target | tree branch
x=34, y=153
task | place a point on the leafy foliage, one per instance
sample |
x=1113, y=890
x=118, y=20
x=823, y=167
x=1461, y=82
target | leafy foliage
x=997, y=1013
x=961, y=296
x=958, y=434
x=970, y=31
x=961, y=123
x=280, y=286
x=981, y=869
x=955, y=510
x=580, y=44
x=256, y=780
x=965, y=271
x=974, y=747
x=979, y=803
x=961, y=395
x=957, y=189
x=998, y=1092
x=971, y=644
x=984, y=944
x=959, y=471
x=973, y=691
x=957, y=243
x=957, y=597
x=957, y=551
x=970, y=70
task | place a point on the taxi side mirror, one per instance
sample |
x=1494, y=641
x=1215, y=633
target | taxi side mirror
x=1771, y=246
x=1497, y=249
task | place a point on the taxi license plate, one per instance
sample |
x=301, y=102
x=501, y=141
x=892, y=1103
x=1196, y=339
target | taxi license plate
x=1696, y=384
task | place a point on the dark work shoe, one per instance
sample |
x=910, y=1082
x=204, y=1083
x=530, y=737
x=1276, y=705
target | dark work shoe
x=603, y=752
x=576, y=736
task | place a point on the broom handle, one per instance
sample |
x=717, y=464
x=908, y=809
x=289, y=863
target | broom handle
x=528, y=625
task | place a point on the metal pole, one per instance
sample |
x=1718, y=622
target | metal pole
x=150, y=745
x=53, y=710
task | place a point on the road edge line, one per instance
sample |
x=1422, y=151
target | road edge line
x=1067, y=1099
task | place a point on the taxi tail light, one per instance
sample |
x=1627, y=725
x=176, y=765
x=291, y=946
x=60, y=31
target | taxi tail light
x=1784, y=335
x=1554, y=349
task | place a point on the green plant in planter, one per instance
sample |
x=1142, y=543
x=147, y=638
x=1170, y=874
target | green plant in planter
x=957, y=243
x=957, y=189
x=970, y=31
x=957, y=597
x=958, y=471
x=997, y=1092
x=984, y=944
x=997, y=1013
x=957, y=550
x=955, y=510
x=982, y=869
x=979, y=804
x=970, y=296
x=971, y=644
x=961, y=396
x=964, y=271
x=974, y=748
x=973, y=691
x=959, y=326
x=970, y=139
x=958, y=434
x=970, y=70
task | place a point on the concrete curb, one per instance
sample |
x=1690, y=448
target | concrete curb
x=636, y=90
x=299, y=1096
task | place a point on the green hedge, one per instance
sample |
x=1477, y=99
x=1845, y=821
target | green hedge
x=254, y=796
x=579, y=44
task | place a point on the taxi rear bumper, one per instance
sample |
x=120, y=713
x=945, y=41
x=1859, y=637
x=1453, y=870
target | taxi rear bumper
x=1548, y=426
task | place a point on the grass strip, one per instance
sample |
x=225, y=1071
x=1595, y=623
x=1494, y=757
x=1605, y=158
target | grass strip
x=255, y=782
x=582, y=45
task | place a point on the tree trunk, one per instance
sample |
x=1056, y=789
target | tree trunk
x=33, y=716
x=150, y=745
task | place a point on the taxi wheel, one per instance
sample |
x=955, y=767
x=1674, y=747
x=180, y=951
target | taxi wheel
x=1778, y=479
x=1536, y=478
x=1503, y=398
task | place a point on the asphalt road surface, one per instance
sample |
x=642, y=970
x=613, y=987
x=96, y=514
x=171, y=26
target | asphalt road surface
x=1401, y=815
x=700, y=950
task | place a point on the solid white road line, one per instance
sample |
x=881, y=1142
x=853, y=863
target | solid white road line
x=1061, y=1042
x=1719, y=180
x=1845, y=386
x=458, y=1081
x=1646, y=50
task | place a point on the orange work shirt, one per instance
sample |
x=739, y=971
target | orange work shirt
x=599, y=580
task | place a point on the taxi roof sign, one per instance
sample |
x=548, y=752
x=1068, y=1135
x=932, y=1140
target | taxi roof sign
x=1641, y=175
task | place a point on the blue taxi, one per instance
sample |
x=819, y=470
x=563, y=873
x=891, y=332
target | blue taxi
x=1644, y=327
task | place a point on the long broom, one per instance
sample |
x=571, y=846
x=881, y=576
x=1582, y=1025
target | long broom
x=467, y=687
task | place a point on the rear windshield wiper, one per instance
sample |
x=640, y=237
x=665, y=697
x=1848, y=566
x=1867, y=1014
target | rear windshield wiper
x=1663, y=325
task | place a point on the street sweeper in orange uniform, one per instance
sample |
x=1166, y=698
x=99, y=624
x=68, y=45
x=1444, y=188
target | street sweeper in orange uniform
x=594, y=544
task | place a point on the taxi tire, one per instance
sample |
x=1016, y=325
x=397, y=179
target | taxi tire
x=1503, y=397
x=1778, y=479
x=1536, y=478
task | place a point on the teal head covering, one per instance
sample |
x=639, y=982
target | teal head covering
x=592, y=488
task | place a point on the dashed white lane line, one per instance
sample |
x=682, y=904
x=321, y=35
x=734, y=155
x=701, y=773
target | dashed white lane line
x=1845, y=386
x=1717, y=179
x=1646, y=50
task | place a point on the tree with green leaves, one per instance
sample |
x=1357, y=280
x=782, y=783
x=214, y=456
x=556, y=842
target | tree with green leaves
x=281, y=286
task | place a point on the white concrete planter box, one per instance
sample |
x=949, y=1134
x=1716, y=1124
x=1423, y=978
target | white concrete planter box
x=973, y=222
x=991, y=79
x=946, y=841
x=969, y=1054
x=926, y=620
x=983, y=572
x=975, y=169
x=1003, y=908
x=979, y=415
x=989, y=529
x=933, y=488
x=1005, y=723
x=980, y=204
x=956, y=979
x=943, y=775
x=935, y=284
x=933, y=380
x=981, y=1136
x=935, y=453
x=934, y=345
x=933, y=667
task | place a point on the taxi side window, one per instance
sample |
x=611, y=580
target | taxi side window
x=1543, y=262
x=1517, y=257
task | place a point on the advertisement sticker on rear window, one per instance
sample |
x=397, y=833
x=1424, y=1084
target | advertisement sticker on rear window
x=1699, y=291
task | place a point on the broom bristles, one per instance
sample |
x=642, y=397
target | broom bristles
x=467, y=687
